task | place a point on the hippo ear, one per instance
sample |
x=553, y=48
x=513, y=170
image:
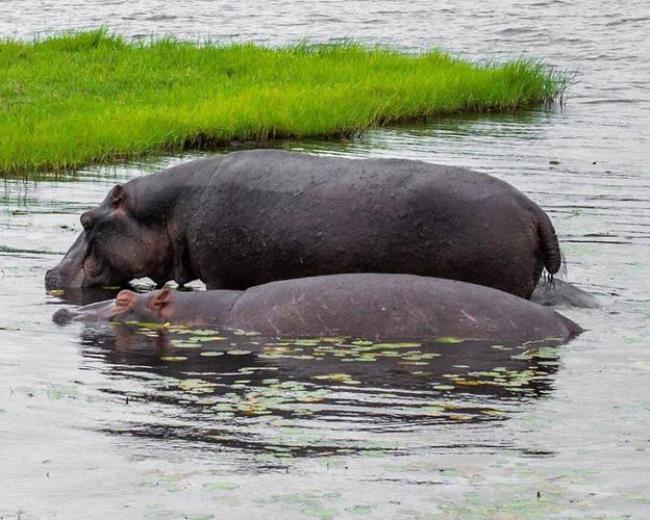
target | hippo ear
x=160, y=299
x=126, y=299
x=116, y=195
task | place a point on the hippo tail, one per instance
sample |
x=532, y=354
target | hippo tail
x=551, y=254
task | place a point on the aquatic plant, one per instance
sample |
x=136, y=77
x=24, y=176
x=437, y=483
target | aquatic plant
x=93, y=97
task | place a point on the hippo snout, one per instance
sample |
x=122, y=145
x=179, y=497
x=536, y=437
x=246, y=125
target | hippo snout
x=99, y=311
x=53, y=279
x=65, y=275
x=62, y=316
x=50, y=279
x=69, y=272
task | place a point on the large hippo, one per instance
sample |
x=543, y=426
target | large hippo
x=252, y=217
x=382, y=306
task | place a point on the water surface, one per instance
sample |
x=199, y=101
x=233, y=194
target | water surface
x=154, y=424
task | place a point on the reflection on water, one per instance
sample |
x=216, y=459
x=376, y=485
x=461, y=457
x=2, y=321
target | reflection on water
x=141, y=426
x=247, y=391
x=472, y=425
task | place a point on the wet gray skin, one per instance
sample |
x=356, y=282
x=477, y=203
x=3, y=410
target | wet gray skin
x=166, y=423
x=159, y=226
x=138, y=230
x=377, y=306
x=258, y=216
x=560, y=293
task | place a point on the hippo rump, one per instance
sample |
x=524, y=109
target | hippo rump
x=253, y=217
x=380, y=306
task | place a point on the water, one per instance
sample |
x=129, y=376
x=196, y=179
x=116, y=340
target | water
x=93, y=421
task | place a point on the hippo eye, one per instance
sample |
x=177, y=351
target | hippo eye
x=87, y=220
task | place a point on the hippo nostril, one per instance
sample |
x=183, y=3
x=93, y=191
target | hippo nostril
x=62, y=316
x=50, y=279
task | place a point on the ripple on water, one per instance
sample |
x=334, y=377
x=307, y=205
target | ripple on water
x=95, y=425
x=262, y=393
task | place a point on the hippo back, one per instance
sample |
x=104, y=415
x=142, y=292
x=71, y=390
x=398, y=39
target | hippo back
x=269, y=215
x=393, y=306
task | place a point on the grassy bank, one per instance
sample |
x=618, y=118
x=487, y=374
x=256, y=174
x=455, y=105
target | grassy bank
x=92, y=97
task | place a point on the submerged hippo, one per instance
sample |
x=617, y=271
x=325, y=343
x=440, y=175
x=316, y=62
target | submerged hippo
x=559, y=293
x=384, y=306
x=253, y=217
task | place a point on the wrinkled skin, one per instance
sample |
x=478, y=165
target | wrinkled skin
x=114, y=247
x=139, y=230
x=253, y=217
x=380, y=306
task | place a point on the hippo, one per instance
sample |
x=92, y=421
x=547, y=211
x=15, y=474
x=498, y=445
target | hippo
x=253, y=217
x=560, y=293
x=378, y=306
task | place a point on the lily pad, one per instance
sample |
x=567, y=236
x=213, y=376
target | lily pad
x=448, y=339
x=211, y=353
x=173, y=358
x=338, y=378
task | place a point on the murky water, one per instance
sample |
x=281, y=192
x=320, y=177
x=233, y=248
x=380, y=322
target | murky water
x=95, y=421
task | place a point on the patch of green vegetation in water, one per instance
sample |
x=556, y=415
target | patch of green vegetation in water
x=92, y=97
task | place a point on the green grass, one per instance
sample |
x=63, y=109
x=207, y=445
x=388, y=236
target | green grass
x=92, y=97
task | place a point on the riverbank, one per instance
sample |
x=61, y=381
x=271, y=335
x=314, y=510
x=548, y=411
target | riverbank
x=91, y=97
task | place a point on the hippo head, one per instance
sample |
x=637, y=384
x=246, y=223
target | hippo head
x=127, y=306
x=117, y=245
x=150, y=307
